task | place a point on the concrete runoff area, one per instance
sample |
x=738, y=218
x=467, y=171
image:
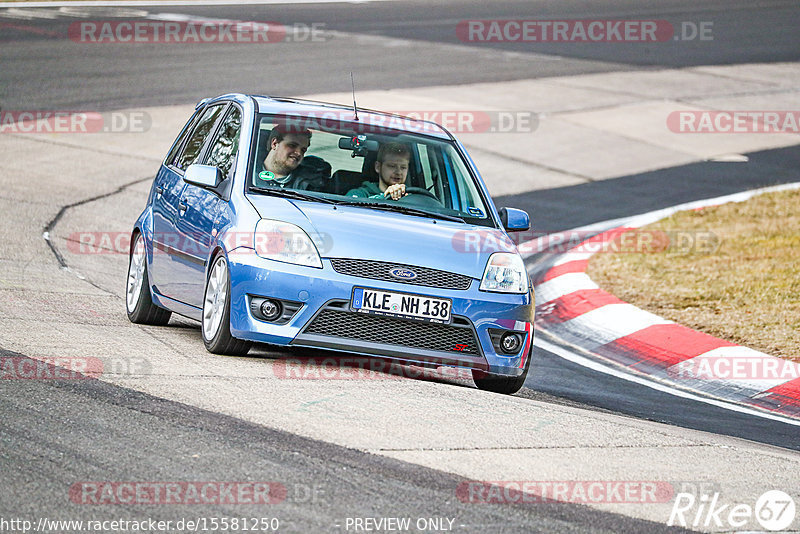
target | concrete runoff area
x=601, y=130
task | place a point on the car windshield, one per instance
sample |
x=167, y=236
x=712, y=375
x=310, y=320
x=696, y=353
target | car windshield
x=355, y=163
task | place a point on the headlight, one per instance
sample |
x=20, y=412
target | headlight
x=505, y=273
x=281, y=241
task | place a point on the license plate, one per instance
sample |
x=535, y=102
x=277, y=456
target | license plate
x=405, y=305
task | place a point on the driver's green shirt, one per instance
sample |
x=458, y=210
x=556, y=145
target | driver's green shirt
x=368, y=189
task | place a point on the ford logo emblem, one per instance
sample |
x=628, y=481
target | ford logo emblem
x=403, y=274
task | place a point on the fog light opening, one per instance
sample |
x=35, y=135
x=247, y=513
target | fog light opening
x=271, y=309
x=511, y=342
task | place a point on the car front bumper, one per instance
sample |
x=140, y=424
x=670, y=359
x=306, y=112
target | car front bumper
x=325, y=321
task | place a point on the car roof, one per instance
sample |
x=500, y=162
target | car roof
x=316, y=109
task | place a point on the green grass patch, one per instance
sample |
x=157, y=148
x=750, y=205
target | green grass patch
x=732, y=271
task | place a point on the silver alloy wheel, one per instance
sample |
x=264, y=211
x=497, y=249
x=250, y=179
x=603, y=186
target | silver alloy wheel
x=135, y=274
x=215, y=299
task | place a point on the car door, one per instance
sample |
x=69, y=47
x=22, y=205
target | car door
x=199, y=208
x=168, y=261
x=166, y=190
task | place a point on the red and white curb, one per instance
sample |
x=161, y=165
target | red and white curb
x=571, y=308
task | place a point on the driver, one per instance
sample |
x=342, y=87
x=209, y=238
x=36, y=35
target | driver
x=392, y=167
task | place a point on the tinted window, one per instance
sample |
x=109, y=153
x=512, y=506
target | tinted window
x=226, y=144
x=340, y=165
x=173, y=153
x=198, y=137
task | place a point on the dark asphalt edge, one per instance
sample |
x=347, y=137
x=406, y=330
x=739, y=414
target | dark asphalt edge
x=748, y=427
x=230, y=428
x=726, y=392
x=564, y=208
x=764, y=168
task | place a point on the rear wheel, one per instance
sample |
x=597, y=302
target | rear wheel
x=506, y=385
x=217, y=313
x=138, y=302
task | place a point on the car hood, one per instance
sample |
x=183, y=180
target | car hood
x=363, y=233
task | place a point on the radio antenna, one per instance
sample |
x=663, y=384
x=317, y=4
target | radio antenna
x=353, y=84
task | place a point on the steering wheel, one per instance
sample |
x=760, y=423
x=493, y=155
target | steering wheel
x=417, y=196
x=420, y=191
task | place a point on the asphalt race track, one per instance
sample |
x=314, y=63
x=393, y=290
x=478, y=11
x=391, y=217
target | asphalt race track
x=386, y=448
x=147, y=75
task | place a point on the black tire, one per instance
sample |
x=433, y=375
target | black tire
x=144, y=311
x=505, y=385
x=222, y=342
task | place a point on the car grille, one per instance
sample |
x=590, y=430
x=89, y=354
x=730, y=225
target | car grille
x=390, y=330
x=379, y=270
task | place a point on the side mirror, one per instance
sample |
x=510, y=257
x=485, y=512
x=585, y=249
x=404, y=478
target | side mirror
x=203, y=175
x=514, y=220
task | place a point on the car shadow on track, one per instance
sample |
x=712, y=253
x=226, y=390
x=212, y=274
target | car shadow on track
x=302, y=363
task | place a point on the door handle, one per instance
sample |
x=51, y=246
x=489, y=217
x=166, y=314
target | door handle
x=182, y=206
x=160, y=190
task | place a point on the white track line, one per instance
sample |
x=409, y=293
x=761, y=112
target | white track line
x=563, y=285
x=652, y=382
x=613, y=321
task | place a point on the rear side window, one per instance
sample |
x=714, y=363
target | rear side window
x=195, y=143
x=187, y=129
x=226, y=144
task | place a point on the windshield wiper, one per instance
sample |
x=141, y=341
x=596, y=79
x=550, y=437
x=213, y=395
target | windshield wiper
x=403, y=209
x=292, y=193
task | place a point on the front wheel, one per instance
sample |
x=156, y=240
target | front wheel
x=138, y=302
x=217, y=313
x=506, y=385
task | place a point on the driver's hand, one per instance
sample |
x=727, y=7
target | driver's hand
x=395, y=192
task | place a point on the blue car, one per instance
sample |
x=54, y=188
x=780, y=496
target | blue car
x=307, y=224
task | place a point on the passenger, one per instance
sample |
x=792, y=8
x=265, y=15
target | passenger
x=286, y=152
x=392, y=168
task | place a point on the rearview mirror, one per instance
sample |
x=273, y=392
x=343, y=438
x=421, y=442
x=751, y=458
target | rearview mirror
x=203, y=175
x=514, y=220
x=359, y=144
